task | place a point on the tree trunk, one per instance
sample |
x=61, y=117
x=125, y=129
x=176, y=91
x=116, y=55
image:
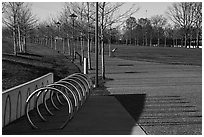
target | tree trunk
x=19, y=39
x=82, y=51
x=176, y=42
x=173, y=40
x=190, y=41
x=102, y=58
x=51, y=42
x=182, y=42
x=46, y=41
x=91, y=45
x=63, y=39
x=185, y=40
x=55, y=44
x=137, y=41
x=68, y=46
x=83, y=47
x=109, y=47
x=197, y=39
x=102, y=42
x=24, y=44
x=89, y=52
x=143, y=41
x=14, y=42
x=158, y=40
x=165, y=42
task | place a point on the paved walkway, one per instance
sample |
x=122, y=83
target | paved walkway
x=143, y=98
x=96, y=117
x=165, y=98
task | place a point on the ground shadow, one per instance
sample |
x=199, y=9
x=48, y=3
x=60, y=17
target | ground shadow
x=133, y=103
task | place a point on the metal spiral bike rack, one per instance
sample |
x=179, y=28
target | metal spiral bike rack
x=74, y=89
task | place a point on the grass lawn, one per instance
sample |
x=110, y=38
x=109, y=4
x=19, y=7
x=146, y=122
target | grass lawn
x=39, y=61
x=167, y=55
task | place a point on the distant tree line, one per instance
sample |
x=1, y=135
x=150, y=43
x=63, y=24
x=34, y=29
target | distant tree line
x=23, y=26
x=76, y=25
x=19, y=22
x=186, y=29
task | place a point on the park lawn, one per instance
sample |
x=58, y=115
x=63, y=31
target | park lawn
x=167, y=55
x=40, y=60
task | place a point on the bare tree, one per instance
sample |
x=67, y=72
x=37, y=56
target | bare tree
x=27, y=23
x=10, y=20
x=185, y=15
x=158, y=22
x=198, y=21
x=109, y=16
x=130, y=25
x=19, y=19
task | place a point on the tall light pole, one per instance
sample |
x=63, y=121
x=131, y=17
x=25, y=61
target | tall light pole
x=58, y=25
x=47, y=34
x=96, y=45
x=73, y=17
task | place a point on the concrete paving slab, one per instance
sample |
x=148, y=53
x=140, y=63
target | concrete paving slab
x=103, y=115
x=163, y=82
x=100, y=115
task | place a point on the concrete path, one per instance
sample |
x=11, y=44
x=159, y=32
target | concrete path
x=170, y=95
x=142, y=98
x=100, y=115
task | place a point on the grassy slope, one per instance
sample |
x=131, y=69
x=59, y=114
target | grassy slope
x=18, y=72
x=160, y=54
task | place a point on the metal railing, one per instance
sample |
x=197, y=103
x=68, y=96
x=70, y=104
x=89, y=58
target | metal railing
x=74, y=90
x=80, y=58
x=13, y=100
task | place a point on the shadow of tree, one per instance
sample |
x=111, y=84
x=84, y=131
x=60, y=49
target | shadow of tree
x=133, y=103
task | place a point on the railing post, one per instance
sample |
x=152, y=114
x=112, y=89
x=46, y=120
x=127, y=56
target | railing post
x=85, y=65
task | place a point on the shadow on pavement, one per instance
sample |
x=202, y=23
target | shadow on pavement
x=133, y=103
x=100, y=115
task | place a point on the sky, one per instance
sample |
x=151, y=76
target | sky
x=45, y=10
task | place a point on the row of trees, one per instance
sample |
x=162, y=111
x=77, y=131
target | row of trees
x=65, y=28
x=185, y=30
x=108, y=16
x=76, y=23
x=19, y=20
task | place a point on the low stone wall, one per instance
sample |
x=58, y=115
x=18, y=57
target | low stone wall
x=14, y=99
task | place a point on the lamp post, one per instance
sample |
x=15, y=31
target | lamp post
x=73, y=17
x=50, y=36
x=58, y=25
x=96, y=45
x=47, y=34
x=40, y=36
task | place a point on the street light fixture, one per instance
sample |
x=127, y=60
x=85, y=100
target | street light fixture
x=40, y=39
x=58, y=25
x=96, y=46
x=73, y=17
x=50, y=36
x=47, y=34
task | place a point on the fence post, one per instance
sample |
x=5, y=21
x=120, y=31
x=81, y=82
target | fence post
x=85, y=65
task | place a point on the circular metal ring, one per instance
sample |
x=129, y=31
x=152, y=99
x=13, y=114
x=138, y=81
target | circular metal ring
x=84, y=82
x=83, y=92
x=89, y=82
x=83, y=85
x=79, y=94
x=76, y=102
x=70, y=107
